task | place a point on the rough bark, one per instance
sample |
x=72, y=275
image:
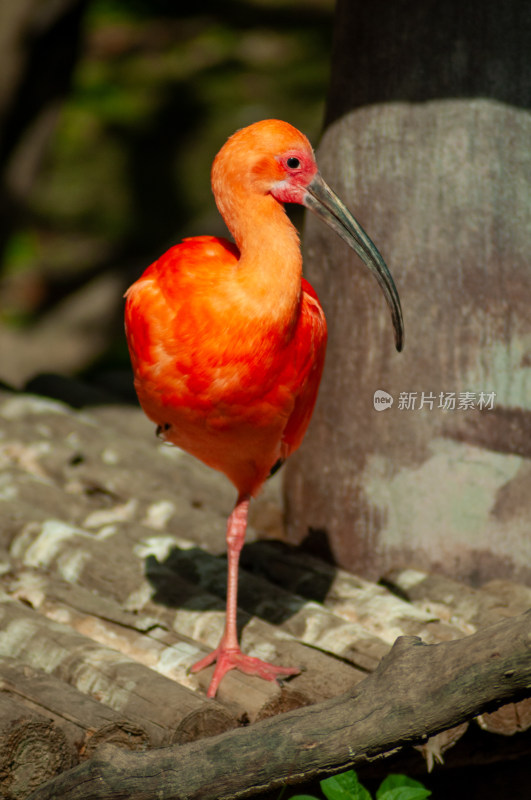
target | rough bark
x=427, y=142
x=453, y=682
x=32, y=749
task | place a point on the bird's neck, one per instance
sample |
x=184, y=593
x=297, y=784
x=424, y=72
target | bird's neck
x=270, y=266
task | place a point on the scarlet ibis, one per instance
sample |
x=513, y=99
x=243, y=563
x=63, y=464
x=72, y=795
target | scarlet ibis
x=227, y=341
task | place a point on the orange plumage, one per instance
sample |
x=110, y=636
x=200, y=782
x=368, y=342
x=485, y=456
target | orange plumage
x=224, y=385
x=227, y=341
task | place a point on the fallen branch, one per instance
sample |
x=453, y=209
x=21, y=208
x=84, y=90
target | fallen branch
x=416, y=691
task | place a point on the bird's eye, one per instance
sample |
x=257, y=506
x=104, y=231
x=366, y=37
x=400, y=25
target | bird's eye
x=293, y=162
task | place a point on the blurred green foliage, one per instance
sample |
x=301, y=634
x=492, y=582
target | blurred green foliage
x=158, y=88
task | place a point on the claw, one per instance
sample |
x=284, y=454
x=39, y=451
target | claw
x=232, y=658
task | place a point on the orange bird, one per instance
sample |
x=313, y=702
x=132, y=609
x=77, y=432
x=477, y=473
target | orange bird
x=227, y=341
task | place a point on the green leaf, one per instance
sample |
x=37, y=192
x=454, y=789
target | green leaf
x=398, y=781
x=400, y=787
x=405, y=793
x=303, y=797
x=344, y=787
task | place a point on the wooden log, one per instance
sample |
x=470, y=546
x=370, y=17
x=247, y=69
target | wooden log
x=70, y=452
x=349, y=596
x=167, y=711
x=153, y=638
x=309, y=622
x=150, y=641
x=94, y=467
x=453, y=681
x=93, y=548
x=200, y=615
x=107, y=563
x=471, y=608
x=32, y=749
x=85, y=722
x=131, y=575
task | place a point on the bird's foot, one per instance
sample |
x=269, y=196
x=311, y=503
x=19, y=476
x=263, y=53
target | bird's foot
x=233, y=658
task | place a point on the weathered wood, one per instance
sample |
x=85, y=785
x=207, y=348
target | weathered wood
x=98, y=461
x=167, y=711
x=471, y=608
x=32, y=749
x=114, y=566
x=116, y=540
x=85, y=722
x=150, y=641
x=453, y=682
x=307, y=621
x=200, y=615
x=378, y=610
x=428, y=143
x=78, y=502
x=88, y=469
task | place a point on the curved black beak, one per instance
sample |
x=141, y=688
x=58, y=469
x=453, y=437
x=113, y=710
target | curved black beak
x=320, y=199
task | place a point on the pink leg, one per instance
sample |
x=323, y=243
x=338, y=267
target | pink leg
x=227, y=654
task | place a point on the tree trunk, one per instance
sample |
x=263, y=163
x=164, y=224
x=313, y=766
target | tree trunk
x=428, y=143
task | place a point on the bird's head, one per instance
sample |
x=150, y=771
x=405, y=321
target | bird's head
x=272, y=158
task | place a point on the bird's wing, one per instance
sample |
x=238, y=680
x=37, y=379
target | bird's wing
x=158, y=304
x=308, y=361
